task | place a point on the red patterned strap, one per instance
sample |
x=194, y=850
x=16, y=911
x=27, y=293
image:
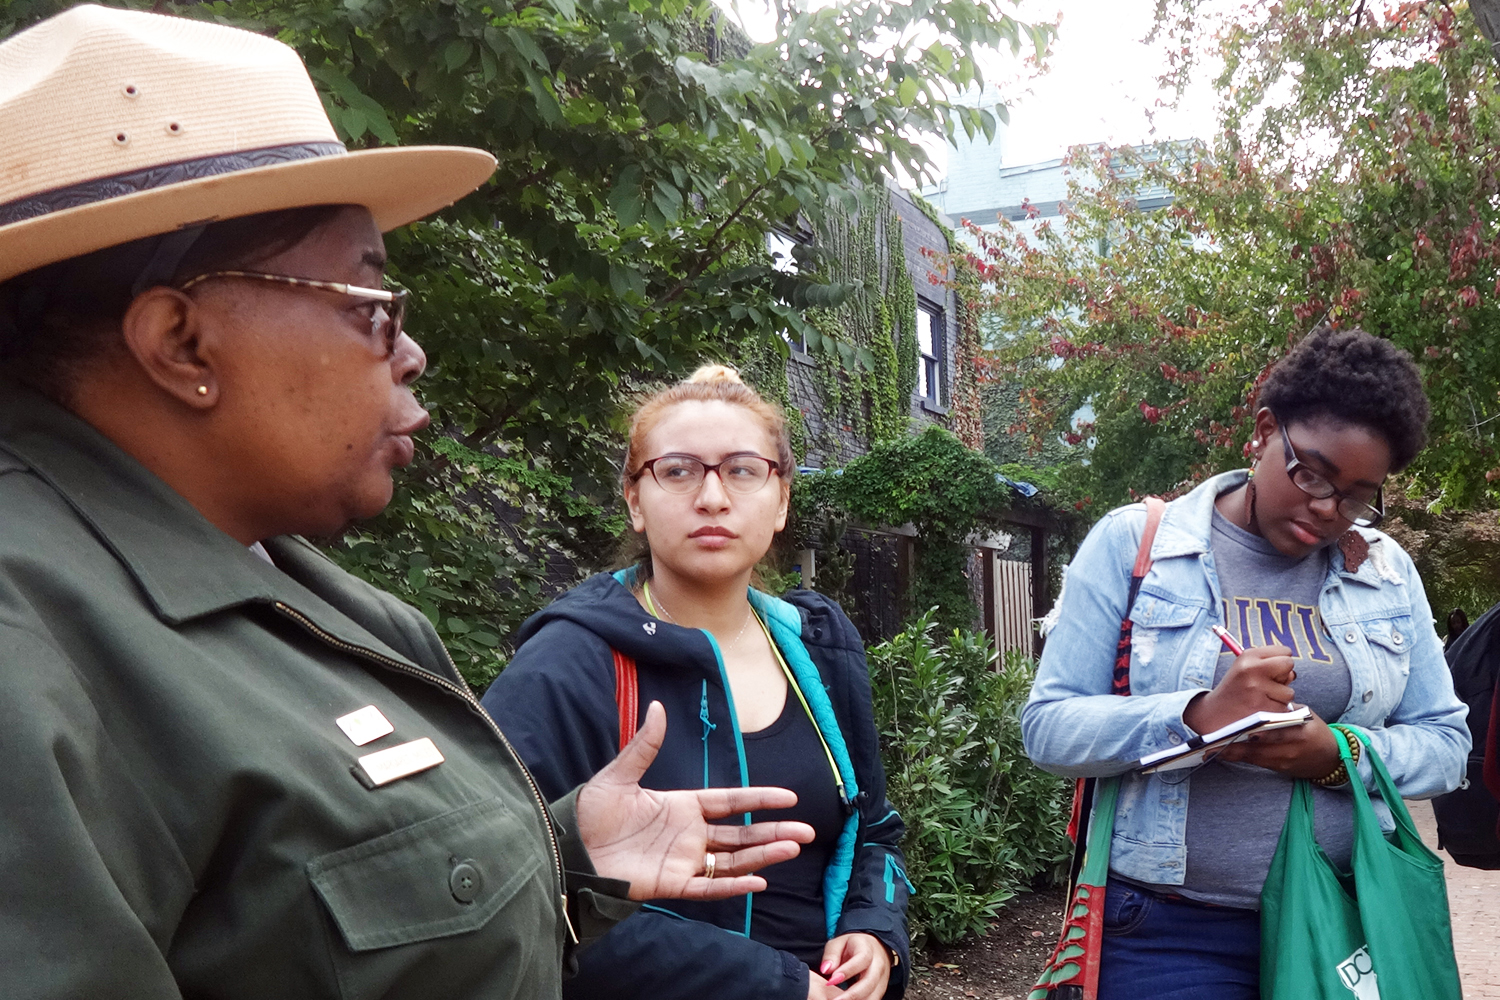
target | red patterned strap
x=1120, y=682
x=1073, y=971
x=1120, y=679
x=627, y=696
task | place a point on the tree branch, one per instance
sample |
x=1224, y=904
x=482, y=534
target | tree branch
x=1487, y=17
x=707, y=256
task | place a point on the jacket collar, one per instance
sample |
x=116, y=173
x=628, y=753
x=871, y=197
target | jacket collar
x=1187, y=523
x=1187, y=526
x=184, y=565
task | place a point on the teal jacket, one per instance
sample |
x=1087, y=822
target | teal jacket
x=183, y=817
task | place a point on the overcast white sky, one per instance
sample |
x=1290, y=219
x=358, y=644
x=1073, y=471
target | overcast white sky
x=1101, y=83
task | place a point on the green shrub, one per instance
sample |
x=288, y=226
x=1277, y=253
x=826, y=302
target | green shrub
x=982, y=822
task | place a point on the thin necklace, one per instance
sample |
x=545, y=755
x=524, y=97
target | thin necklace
x=646, y=589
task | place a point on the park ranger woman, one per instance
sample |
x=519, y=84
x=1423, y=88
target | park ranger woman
x=231, y=769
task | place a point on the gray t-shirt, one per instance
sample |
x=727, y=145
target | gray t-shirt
x=1236, y=810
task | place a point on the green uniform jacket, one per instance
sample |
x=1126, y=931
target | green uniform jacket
x=179, y=813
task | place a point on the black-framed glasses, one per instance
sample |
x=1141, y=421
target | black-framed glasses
x=742, y=473
x=1350, y=508
x=385, y=319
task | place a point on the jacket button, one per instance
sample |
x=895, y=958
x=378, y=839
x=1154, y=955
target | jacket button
x=1349, y=636
x=465, y=881
x=1396, y=638
x=1367, y=696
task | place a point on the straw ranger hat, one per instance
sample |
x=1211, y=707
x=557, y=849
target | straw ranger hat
x=118, y=125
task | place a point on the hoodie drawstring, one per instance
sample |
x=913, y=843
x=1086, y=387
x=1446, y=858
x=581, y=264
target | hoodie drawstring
x=708, y=727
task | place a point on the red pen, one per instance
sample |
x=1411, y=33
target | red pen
x=1231, y=644
x=1229, y=641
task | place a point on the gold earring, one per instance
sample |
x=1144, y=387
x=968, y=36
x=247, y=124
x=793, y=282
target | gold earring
x=203, y=390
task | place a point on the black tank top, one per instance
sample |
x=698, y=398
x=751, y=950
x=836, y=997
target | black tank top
x=789, y=914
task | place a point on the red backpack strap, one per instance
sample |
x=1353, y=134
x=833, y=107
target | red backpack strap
x=1120, y=683
x=627, y=696
x=1083, y=791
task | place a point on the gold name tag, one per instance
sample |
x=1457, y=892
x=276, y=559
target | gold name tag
x=385, y=766
x=365, y=726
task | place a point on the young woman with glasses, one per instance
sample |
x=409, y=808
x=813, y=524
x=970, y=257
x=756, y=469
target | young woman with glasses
x=756, y=689
x=1330, y=613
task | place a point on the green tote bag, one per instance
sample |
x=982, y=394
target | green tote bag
x=1380, y=933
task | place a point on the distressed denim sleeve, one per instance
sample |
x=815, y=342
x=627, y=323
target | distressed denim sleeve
x=1071, y=725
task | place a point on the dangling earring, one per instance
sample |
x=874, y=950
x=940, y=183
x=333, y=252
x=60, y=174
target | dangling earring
x=1250, y=489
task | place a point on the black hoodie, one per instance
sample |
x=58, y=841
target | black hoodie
x=556, y=702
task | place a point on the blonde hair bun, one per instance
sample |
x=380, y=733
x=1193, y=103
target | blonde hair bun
x=715, y=373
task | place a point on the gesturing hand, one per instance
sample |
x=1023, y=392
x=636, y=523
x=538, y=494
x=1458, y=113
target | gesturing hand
x=658, y=841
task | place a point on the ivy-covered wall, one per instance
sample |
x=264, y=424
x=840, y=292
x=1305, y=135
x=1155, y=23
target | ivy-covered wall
x=851, y=398
x=854, y=385
x=927, y=243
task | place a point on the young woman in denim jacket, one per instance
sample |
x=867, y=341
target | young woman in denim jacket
x=1331, y=614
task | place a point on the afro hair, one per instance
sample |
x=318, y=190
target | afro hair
x=1352, y=377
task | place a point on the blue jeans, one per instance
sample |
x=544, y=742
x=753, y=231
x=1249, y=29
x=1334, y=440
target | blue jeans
x=1170, y=949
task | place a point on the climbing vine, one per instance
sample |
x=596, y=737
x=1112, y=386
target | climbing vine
x=932, y=481
x=867, y=345
x=901, y=312
x=762, y=364
x=967, y=405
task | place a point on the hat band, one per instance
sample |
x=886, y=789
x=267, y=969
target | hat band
x=104, y=188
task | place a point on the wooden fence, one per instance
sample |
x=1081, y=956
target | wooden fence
x=1013, y=603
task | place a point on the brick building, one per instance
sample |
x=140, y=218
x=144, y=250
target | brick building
x=834, y=439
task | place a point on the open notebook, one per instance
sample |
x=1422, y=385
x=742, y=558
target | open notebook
x=1194, y=751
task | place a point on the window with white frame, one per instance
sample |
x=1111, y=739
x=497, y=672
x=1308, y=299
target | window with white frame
x=930, y=353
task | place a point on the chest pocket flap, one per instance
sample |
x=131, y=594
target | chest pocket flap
x=1391, y=634
x=1151, y=611
x=443, y=876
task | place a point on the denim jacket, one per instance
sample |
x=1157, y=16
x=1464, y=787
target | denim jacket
x=1402, y=694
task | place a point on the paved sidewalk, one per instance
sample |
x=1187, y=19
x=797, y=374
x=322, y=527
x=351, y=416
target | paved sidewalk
x=1474, y=900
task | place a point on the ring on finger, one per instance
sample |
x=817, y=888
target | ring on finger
x=709, y=861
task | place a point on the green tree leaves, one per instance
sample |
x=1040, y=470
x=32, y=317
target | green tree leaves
x=1354, y=182
x=645, y=150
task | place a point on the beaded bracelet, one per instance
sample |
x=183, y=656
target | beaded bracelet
x=1340, y=774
